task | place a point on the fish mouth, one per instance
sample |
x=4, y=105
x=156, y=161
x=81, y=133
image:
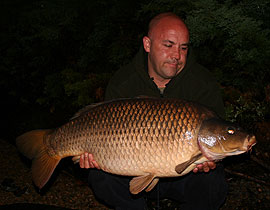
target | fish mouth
x=248, y=143
x=247, y=146
x=251, y=141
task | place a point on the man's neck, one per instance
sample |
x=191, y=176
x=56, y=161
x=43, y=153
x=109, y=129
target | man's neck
x=159, y=81
x=161, y=84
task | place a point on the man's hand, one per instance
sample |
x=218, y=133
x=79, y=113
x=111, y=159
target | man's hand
x=205, y=167
x=87, y=161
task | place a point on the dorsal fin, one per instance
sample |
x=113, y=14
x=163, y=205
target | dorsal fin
x=86, y=109
x=143, y=96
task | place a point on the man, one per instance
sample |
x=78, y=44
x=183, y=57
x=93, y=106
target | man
x=165, y=68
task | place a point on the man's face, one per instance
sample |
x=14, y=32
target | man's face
x=167, y=48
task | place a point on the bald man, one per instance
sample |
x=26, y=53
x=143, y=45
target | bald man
x=164, y=67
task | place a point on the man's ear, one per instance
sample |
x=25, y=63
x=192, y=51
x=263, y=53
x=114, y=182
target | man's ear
x=146, y=43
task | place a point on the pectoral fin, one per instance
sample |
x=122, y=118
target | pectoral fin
x=138, y=184
x=181, y=167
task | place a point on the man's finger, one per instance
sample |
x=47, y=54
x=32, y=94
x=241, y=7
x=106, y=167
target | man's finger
x=206, y=167
x=82, y=161
x=95, y=164
x=212, y=165
x=195, y=170
x=200, y=167
x=91, y=157
x=86, y=160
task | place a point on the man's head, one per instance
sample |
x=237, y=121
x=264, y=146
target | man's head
x=167, y=47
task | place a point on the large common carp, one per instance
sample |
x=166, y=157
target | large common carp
x=144, y=137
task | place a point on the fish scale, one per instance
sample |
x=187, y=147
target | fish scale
x=147, y=138
x=136, y=117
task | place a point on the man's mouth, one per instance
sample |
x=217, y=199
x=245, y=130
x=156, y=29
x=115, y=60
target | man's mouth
x=173, y=64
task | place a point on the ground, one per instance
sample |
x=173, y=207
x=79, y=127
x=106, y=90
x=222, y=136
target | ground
x=249, y=189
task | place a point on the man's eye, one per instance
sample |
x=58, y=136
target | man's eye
x=167, y=45
x=184, y=48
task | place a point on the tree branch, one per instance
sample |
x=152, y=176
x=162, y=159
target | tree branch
x=247, y=177
x=260, y=162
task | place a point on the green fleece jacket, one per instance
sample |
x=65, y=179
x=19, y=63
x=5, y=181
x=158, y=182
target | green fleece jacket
x=193, y=83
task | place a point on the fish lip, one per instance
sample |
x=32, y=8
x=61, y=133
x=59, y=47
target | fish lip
x=249, y=142
x=251, y=139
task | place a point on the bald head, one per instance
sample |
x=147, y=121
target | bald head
x=167, y=46
x=165, y=20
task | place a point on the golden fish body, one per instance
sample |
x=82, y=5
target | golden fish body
x=144, y=137
x=132, y=137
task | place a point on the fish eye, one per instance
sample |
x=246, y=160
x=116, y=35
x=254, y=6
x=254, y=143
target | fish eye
x=231, y=131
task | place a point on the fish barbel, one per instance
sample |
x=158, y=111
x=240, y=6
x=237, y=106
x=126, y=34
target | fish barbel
x=147, y=138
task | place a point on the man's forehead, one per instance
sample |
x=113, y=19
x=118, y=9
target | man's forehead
x=172, y=35
x=168, y=28
x=173, y=42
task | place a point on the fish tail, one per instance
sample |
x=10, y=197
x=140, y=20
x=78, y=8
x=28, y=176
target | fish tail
x=31, y=145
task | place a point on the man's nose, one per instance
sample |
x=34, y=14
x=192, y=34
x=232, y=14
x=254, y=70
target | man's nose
x=176, y=54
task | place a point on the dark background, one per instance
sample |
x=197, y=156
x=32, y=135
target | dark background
x=58, y=55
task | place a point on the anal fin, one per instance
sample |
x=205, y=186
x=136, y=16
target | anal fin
x=152, y=185
x=138, y=184
x=181, y=167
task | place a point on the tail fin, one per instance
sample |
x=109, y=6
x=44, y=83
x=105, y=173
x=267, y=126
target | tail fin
x=32, y=146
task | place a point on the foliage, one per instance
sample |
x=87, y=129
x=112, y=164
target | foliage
x=238, y=43
x=231, y=38
x=241, y=45
x=246, y=111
